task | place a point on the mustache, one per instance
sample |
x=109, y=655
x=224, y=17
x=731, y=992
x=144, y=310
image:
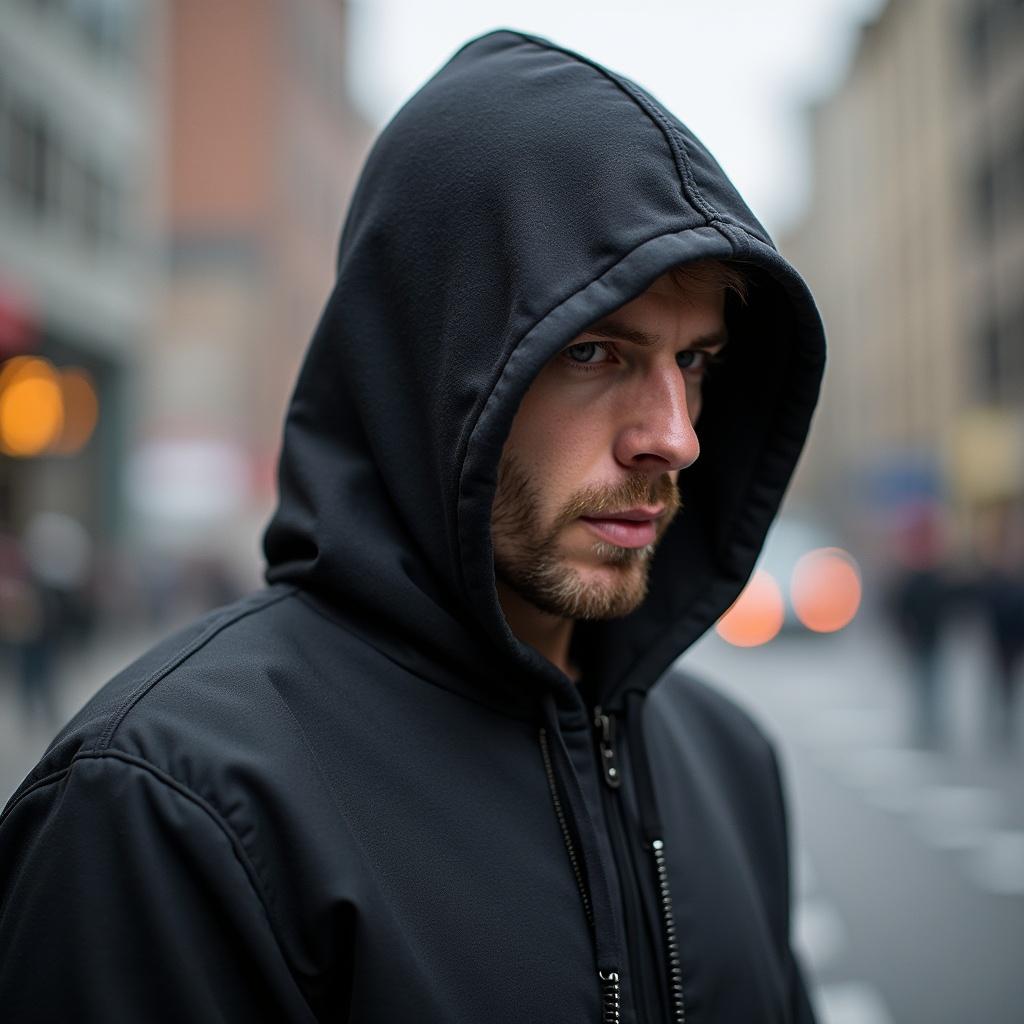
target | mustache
x=635, y=490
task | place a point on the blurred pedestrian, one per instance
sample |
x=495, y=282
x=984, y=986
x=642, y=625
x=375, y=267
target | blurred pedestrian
x=52, y=594
x=920, y=594
x=998, y=591
x=29, y=626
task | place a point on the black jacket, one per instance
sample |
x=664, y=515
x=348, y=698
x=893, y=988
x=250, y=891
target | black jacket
x=355, y=796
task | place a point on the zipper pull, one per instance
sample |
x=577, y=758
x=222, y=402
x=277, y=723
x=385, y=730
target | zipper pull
x=605, y=727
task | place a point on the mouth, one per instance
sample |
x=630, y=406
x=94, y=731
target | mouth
x=633, y=528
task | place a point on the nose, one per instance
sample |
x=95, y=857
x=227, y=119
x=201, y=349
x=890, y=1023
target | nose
x=657, y=432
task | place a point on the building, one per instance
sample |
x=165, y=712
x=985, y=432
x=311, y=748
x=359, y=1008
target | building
x=262, y=148
x=914, y=246
x=77, y=244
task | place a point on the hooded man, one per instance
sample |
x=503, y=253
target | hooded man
x=442, y=768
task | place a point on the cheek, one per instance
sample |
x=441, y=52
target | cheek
x=561, y=445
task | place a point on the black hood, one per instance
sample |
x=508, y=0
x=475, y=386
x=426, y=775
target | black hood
x=524, y=192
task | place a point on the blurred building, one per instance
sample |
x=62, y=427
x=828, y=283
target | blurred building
x=914, y=246
x=77, y=245
x=262, y=148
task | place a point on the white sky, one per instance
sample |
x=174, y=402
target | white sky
x=737, y=72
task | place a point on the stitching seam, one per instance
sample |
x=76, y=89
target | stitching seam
x=177, y=659
x=183, y=791
x=675, y=142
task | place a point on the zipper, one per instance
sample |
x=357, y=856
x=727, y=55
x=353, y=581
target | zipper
x=611, y=1003
x=564, y=826
x=675, y=969
x=604, y=724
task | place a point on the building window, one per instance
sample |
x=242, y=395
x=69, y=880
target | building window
x=29, y=158
x=976, y=42
x=1013, y=351
x=109, y=26
x=984, y=191
x=989, y=362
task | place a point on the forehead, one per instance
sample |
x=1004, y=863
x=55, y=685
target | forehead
x=666, y=312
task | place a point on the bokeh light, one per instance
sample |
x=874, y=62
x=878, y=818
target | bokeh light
x=755, y=617
x=81, y=411
x=44, y=410
x=31, y=407
x=825, y=589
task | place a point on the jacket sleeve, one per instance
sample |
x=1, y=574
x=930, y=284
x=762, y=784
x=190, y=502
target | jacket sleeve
x=800, y=1006
x=126, y=898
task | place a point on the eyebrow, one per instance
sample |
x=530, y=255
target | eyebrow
x=615, y=331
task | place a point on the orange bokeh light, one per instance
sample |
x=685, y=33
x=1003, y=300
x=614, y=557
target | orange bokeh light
x=755, y=617
x=31, y=406
x=44, y=410
x=825, y=589
x=81, y=411
x=22, y=366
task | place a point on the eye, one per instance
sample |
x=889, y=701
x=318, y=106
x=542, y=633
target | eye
x=693, y=359
x=586, y=353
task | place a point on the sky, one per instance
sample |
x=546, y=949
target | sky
x=739, y=73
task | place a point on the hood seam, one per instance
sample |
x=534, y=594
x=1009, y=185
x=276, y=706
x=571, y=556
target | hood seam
x=687, y=184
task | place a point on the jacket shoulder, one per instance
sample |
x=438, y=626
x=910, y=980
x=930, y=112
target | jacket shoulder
x=212, y=694
x=706, y=708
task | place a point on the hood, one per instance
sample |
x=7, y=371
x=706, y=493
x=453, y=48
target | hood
x=524, y=192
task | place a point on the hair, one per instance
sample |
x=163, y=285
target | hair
x=710, y=275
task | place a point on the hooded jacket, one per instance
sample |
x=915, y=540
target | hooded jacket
x=355, y=795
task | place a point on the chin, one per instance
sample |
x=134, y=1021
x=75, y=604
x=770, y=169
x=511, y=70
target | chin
x=609, y=591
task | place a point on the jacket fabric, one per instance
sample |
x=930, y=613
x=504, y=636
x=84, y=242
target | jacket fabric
x=355, y=795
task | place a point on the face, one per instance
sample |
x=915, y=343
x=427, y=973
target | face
x=587, y=479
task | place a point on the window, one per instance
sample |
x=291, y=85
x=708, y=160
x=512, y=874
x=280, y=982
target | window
x=976, y=44
x=29, y=157
x=989, y=363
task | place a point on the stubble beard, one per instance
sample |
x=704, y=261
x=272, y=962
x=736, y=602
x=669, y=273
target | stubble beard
x=527, y=557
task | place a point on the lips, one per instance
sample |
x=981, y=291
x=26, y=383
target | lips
x=634, y=528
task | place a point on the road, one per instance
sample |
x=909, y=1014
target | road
x=909, y=863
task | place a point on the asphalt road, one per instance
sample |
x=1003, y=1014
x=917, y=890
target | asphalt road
x=909, y=862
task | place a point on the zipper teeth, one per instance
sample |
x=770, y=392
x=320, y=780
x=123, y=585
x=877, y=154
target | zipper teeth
x=675, y=971
x=610, y=1002
x=566, y=835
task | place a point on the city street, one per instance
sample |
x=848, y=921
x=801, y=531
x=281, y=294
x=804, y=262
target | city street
x=909, y=864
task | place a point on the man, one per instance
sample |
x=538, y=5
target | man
x=442, y=768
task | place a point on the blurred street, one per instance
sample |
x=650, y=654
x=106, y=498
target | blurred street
x=909, y=863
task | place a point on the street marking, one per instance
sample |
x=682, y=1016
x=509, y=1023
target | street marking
x=851, y=1002
x=819, y=935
